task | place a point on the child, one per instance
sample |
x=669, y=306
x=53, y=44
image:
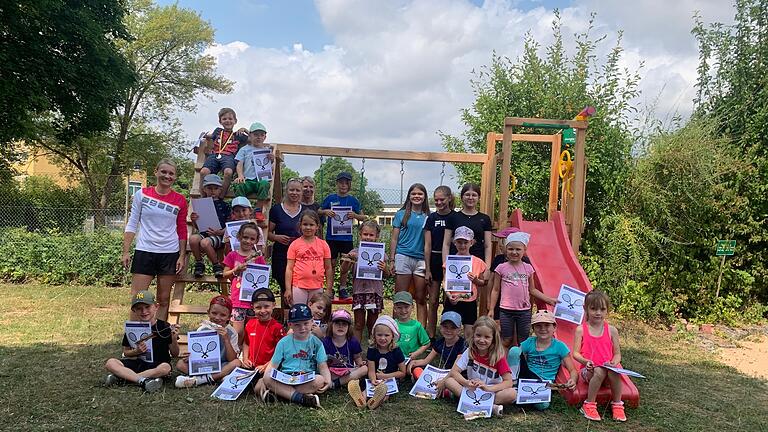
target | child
x=297, y=353
x=414, y=339
x=247, y=181
x=164, y=345
x=485, y=365
x=596, y=343
x=434, y=231
x=449, y=346
x=513, y=283
x=309, y=267
x=262, y=333
x=462, y=303
x=226, y=142
x=219, y=311
x=385, y=361
x=242, y=210
x=367, y=294
x=212, y=239
x=542, y=354
x=320, y=305
x=344, y=352
x=340, y=244
x=234, y=264
x=501, y=258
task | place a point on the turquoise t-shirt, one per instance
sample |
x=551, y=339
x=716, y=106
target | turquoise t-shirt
x=293, y=355
x=412, y=336
x=545, y=363
x=411, y=240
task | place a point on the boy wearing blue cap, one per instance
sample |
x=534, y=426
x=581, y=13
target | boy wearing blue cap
x=297, y=353
x=448, y=346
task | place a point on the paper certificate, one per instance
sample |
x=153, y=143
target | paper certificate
x=368, y=257
x=292, y=379
x=570, y=306
x=391, y=387
x=262, y=164
x=532, y=391
x=457, y=273
x=476, y=401
x=622, y=371
x=204, y=352
x=140, y=331
x=233, y=385
x=426, y=386
x=340, y=225
x=231, y=232
x=255, y=276
x=206, y=214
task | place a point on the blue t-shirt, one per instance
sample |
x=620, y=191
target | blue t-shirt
x=335, y=200
x=410, y=242
x=448, y=354
x=245, y=154
x=293, y=355
x=285, y=224
x=342, y=357
x=385, y=363
x=545, y=363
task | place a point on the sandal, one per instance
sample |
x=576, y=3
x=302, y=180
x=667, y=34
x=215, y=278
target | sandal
x=379, y=394
x=353, y=388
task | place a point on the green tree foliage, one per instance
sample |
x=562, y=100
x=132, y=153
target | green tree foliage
x=39, y=204
x=325, y=184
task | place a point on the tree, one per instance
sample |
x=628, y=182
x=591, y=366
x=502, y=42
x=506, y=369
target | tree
x=325, y=184
x=167, y=54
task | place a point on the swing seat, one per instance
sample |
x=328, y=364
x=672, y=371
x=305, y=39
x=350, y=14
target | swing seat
x=338, y=301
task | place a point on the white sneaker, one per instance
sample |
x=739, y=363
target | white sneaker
x=152, y=385
x=183, y=381
x=498, y=410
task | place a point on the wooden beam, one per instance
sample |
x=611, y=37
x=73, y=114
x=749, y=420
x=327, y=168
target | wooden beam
x=579, y=184
x=486, y=199
x=309, y=150
x=506, y=166
x=554, y=175
x=518, y=121
x=545, y=138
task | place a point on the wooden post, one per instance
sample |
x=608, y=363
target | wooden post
x=554, y=175
x=506, y=165
x=488, y=171
x=720, y=277
x=579, y=194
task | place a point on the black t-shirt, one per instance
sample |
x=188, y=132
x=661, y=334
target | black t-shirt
x=223, y=211
x=161, y=343
x=436, y=226
x=448, y=354
x=479, y=223
x=386, y=363
x=284, y=225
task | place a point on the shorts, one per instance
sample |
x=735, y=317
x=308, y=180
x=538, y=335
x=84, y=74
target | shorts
x=405, y=265
x=302, y=295
x=216, y=241
x=512, y=320
x=154, y=263
x=239, y=314
x=215, y=165
x=467, y=310
x=259, y=188
x=368, y=301
x=139, y=366
x=339, y=247
x=436, y=266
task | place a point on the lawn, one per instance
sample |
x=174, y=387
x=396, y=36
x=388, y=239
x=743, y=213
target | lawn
x=54, y=341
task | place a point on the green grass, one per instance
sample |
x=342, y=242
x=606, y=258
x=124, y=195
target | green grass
x=54, y=341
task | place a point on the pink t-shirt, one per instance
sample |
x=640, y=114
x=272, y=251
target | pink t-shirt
x=514, y=285
x=308, y=266
x=231, y=261
x=599, y=349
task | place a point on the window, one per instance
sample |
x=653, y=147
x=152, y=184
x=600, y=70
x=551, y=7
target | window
x=385, y=220
x=133, y=186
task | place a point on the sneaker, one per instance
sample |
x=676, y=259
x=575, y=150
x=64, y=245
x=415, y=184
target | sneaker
x=617, y=410
x=113, y=379
x=343, y=293
x=447, y=394
x=379, y=394
x=199, y=269
x=218, y=270
x=589, y=409
x=268, y=397
x=310, y=400
x=183, y=381
x=151, y=385
x=358, y=397
x=498, y=411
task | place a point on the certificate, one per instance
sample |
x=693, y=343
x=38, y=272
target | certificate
x=340, y=225
x=533, y=391
x=206, y=214
x=233, y=385
x=391, y=387
x=261, y=163
x=232, y=228
x=204, y=352
x=368, y=257
x=140, y=331
x=289, y=379
x=457, y=273
x=474, y=402
x=570, y=304
x=622, y=371
x=426, y=386
x=255, y=276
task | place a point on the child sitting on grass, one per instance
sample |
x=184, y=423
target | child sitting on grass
x=345, y=358
x=385, y=361
x=414, y=339
x=262, y=333
x=219, y=311
x=148, y=375
x=213, y=239
x=448, y=347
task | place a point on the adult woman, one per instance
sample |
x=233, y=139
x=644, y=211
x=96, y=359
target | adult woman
x=283, y=229
x=434, y=230
x=308, y=194
x=478, y=222
x=406, y=248
x=162, y=241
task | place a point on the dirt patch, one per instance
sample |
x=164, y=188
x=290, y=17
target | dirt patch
x=745, y=349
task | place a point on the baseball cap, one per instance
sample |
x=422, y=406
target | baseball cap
x=402, y=297
x=211, y=179
x=145, y=297
x=519, y=236
x=299, y=312
x=222, y=301
x=452, y=317
x=344, y=176
x=241, y=201
x=341, y=315
x=256, y=126
x=463, y=232
x=543, y=316
x=263, y=294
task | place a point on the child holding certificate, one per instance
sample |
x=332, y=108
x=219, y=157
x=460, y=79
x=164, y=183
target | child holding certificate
x=261, y=333
x=463, y=303
x=297, y=355
x=219, y=311
x=234, y=264
x=385, y=361
x=345, y=358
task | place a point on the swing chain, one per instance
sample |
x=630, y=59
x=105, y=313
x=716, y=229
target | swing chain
x=402, y=173
x=362, y=169
x=442, y=174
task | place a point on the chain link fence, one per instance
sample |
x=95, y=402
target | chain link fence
x=61, y=219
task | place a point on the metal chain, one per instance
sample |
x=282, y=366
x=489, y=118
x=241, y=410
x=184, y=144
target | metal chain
x=442, y=174
x=402, y=173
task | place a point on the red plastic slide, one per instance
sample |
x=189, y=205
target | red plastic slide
x=555, y=263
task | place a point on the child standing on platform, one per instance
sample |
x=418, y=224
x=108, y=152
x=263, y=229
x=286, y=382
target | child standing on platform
x=234, y=264
x=226, y=143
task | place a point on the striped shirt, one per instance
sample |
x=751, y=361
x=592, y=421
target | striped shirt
x=163, y=220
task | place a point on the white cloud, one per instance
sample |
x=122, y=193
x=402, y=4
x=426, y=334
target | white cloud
x=398, y=71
